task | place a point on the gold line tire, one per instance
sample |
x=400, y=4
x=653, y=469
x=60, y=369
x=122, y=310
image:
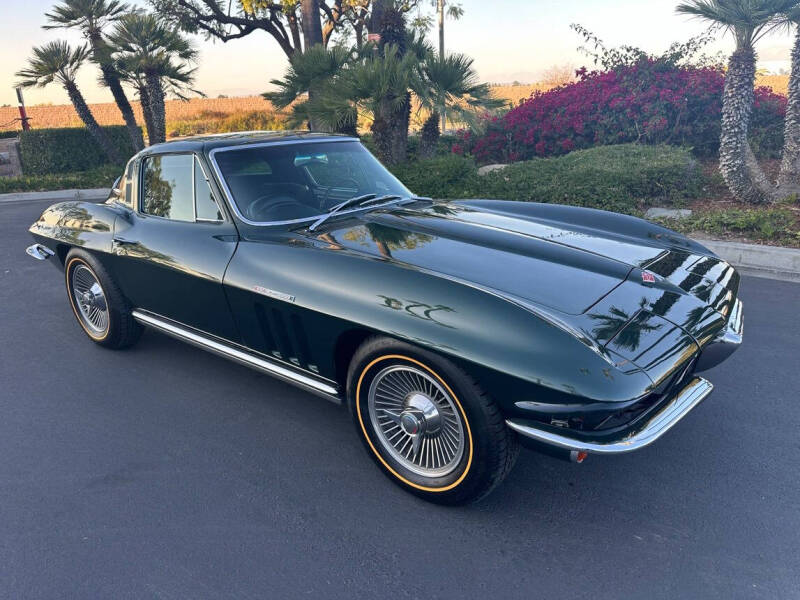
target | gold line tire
x=118, y=329
x=432, y=430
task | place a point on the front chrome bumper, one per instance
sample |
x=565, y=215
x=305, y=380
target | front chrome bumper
x=677, y=408
x=39, y=252
x=725, y=344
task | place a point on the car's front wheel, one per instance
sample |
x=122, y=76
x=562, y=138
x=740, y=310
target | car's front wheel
x=99, y=306
x=427, y=424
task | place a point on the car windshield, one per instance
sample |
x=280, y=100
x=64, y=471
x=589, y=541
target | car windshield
x=290, y=182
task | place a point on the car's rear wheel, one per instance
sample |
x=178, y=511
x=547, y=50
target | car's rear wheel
x=100, y=308
x=427, y=424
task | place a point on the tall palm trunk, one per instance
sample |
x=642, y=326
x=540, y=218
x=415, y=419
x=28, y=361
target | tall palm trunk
x=395, y=122
x=85, y=115
x=111, y=78
x=144, y=100
x=312, y=24
x=400, y=124
x=155, y=91
x=737, y=163
x=440, y=6
x=102, y=55
x=430, y=135
x=381, y=132
x=312, y=35
x=789, y=176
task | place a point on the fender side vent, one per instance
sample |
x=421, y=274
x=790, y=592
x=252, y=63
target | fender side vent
x=303, y=349
x=284, y=342
x=266, y=331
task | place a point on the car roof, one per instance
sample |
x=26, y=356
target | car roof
x=205, y=143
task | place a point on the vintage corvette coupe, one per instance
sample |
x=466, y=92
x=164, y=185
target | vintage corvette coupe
x=453, y=331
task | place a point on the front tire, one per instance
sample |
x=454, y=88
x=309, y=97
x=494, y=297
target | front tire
x=427, y=424
x=99, y=306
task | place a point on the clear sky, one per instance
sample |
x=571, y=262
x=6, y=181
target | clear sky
x=509, y=39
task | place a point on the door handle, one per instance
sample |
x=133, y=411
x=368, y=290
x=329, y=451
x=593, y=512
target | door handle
x=121, y=240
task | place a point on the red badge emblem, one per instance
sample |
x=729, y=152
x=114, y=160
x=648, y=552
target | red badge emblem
x=648, y=277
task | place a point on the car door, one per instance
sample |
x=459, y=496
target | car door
x=172, y=248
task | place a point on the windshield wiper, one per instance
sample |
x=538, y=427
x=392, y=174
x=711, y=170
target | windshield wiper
x=364, y=200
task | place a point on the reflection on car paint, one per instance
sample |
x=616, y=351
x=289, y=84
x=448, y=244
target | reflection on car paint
x=419, y=310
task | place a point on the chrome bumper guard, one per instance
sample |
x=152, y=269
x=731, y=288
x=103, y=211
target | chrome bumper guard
x=39, y=252
x=725, y=344
x=677, y=408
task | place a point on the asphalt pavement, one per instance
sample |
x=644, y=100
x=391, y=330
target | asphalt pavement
x=166, y=472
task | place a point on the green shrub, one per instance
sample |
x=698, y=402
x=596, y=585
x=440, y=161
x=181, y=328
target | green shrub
x=779, y=225
x=100, y=177
x=68, y=149
x=447, y=176
x=10, y=133
x=622, y=178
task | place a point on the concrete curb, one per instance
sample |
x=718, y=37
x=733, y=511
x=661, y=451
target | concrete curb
x=771, y=262
x=55, y=195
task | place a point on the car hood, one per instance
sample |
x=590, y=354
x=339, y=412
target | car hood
x=553, y=264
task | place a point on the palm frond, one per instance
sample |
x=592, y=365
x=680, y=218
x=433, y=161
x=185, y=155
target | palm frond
x=747, y=20
x=89, y=16
x=54, y=61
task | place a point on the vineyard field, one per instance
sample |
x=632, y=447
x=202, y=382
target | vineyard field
x=200, y=115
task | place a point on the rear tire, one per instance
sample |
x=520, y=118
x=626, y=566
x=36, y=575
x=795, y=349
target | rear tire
x=427, y=424
x=99, y=306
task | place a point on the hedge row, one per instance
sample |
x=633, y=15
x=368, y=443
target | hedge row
x=650, y=102
x=622, y=178
x=69, y=149
x=100, y=177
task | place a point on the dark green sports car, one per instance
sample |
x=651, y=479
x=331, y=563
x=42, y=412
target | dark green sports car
x=453, y=331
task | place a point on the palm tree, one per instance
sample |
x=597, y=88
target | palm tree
x=455, y=12
x=748, y=21
x=310, y=70
x=176, y=81
x=56, y=61
x=375, y=86
x=90, y=17
x=789, y=175
x=451, y=84
x=144, y=46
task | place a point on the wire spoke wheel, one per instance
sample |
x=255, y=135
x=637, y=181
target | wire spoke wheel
x=90, y=300
x=416, y=420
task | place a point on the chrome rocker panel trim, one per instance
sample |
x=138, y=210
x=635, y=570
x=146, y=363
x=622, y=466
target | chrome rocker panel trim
x=39, y=252
x=677, y=408
x=328, y=391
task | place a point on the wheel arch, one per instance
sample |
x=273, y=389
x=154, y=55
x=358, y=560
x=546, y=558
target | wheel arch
x=347, y=343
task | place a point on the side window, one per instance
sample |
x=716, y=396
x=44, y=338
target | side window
x=207, y=209
x=126, y=185
x=167, y=186
x=125, y=196
x=127, y=190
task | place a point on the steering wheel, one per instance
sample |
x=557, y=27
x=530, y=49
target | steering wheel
x=323, y=203
x=277, y=203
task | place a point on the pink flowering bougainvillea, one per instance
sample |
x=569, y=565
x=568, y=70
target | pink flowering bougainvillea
x=649, y=102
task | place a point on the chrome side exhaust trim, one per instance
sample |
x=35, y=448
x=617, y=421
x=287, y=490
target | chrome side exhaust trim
x=329, y=391
x=677, y=408
x=39, y=252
